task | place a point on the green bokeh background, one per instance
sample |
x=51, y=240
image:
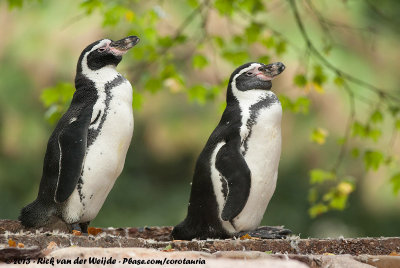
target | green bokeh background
x=39, y=46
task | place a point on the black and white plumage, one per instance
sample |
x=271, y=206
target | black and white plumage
x=86, y=151
x=236, y=173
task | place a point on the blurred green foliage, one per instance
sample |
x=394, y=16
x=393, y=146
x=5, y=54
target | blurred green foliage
x=340, y=123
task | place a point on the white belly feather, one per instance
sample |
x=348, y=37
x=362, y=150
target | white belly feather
x=262, y=157
x=105, y=157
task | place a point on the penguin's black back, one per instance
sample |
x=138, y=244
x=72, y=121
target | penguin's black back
x=202, y=220
x=38, y=212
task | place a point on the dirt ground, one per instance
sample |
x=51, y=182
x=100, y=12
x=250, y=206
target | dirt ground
x=19, y=243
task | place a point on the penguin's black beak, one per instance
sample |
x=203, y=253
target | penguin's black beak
x=268, y=72
x=120, y=47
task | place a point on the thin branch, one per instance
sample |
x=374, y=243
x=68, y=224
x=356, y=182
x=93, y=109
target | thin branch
x=324, y=61
x=347, y=132
x=179, y=31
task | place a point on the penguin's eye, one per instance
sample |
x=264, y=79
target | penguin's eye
x=260, y=69
x=249, y=74
x=102, y=49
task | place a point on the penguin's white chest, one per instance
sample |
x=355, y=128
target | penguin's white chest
x=105, y=156
x=261, y=148
x=262, y=157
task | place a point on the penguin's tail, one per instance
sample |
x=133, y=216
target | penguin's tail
x=36, y=214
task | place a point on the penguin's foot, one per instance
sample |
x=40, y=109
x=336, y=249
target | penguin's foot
x=266, y=232
x=76, y=226
x=84, y=226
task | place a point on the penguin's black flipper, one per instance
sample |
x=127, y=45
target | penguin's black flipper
x=72, y=142
x=238, y=179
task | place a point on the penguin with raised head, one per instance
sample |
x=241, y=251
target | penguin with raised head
x=236, y=173
x=87, y=149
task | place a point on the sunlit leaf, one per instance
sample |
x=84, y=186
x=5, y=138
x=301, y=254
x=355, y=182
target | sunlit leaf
x=91, y=5
x=252, y=32
x=15, y=3
x=237, y=58
x=318, y=135
x=199, y=61
x=280, y=48
x=376, y=117
x=318, y=176
x=193, y=3
x=374, y=134
x=300, y=80
x=395, y=181
x=129, y=15
x=355, y=152
x=338, y=81
x=317, y=210
x=137, y=100
x=312, y=195
x=397, y=124
x=224, y=7
x=319, y=77
x=373, y=159
x=269, y=42
x=358, y=129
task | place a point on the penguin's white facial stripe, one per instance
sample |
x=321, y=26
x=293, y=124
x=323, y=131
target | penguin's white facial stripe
x=102, y=43
x=103, y=75
x=250, y=68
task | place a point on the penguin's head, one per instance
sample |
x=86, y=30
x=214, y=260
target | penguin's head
x=105, y=52
x=255, y=75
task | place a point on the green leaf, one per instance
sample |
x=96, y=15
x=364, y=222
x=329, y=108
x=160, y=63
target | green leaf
x=300, y=80
x=199, y=61
x=165, y=41
x=269, y=42
x=376, y=117
x=339, y=81
x=268, y=252
x=113, y=15
x=397, y=124
x=395, y=181
x=318, y=176
x=318, y=135
x=15, y=3
x=91, y=5
x=60, y=94
x=137, y=100
x=168, y=247
x=355, y=152
x=198, y=93
x=394, y=110
x=319, y=77
x=358, y=129
x=153, y=85
x=252, y=32
x=264, y=59
x=373, y=159
x=301, y=105
x=251, y=6
x=224, y=7
x=193, y=3
x=312, y=195
x=56, y=99
x=219, y=41
x=317, y=210
x=280, y=48
x=237, y=58
x=374, y=134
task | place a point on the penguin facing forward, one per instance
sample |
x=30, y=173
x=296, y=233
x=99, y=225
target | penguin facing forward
x=87, y=149
x=235, y=174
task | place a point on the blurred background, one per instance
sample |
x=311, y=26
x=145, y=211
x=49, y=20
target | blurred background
x=339, y=169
